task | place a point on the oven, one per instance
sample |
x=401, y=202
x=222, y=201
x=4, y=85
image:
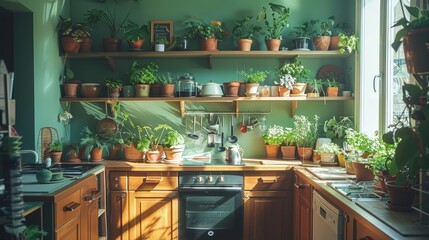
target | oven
x=210, y=205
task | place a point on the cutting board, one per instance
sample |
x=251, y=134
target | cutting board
x=329, y=173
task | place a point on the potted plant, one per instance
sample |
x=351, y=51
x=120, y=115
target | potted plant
x=114, y=87
x=173, y=145
x=328, y=151
x=72, y=153
x=379, y=163
x=285, y=83
x=305, y=135
x=154, y=153
x=336, y=130
x=208, y=33
x=331, y=87
x=167, y=85
x=314, y=87
x=361, y=142
x=71, y=35
x=244, y=32
x=55, y=151
x=160, y=43
x=135, y=35
x=288, y=148
x=111, y=44
x=348, y=43
x=253, y=79
x=297, y=71
x=93, y=143
x=323, y=33
x=274, y=28
x=273, y=137
x=142, y=76
x=70, y=85
x=302, y=36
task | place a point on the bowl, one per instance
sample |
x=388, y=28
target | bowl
x=211, y=90
x=91, y=90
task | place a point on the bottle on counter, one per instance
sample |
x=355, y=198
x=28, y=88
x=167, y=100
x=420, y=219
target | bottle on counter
x=48, y=162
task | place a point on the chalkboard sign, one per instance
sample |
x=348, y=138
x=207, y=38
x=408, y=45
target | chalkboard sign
x=161, y=29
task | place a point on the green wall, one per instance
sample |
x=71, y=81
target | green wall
x=48, y=64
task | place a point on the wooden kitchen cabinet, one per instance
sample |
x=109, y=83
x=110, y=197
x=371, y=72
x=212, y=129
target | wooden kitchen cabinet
x=302, y=209
x=118, y=221
x=268, y=205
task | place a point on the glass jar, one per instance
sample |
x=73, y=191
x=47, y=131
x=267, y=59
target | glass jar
x=186, y=86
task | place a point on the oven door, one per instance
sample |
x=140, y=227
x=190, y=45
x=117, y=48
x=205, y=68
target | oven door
x=210, y=212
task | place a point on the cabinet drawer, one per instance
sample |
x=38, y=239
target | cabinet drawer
x=68, y=208
x=118, y=181
x=147, y=181
x=279, y=180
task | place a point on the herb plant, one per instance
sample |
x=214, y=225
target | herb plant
x=296, y=70
x=243, y=29
x=274, y=135
x=161, y=40
x=279, y=20
x=56, y=146
x=153, y=136
x=305, y=130
x=361, y=142
x=173, y=138
x=304, y=31
x=165, y=79
x=113, y=83
x=254, y=76
x=348, y=43
x=286, y=80
x=202, y=30
x=288, y=137
x=329, y=148
x=143, y=73
x=337, y=129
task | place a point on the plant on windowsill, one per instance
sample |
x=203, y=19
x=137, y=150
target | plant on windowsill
x=142, y=76
x=336, y=130
x=243, y=32
x=274, y=28
x=331, y=87
x=253, y=79
x=272, y=138
x=288, y=147
x=135, y=35
x=328, y=151
x=114, y=87
x=305, y=135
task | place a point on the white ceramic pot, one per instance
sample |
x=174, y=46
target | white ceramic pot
x=211, y=90
x=327, y=157
x=159, y=47
x=321, y=141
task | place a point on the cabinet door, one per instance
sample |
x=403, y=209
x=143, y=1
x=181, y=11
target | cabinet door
x=302, y=209
x=267, y=215
x=70, y=230
x=119, y=215
x=154, y=215
x=89, y=213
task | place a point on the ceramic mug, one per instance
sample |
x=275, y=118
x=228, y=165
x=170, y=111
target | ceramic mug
x=274, y=91
x=347, y=93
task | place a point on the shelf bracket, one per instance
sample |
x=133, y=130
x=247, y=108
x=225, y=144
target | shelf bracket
x=111, y=62
x=210, y=59
x=237, y=108
x=182, y=109
x=293, y=107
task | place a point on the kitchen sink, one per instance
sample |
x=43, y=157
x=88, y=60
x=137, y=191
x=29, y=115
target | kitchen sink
x=358, y=191
x=67, y=168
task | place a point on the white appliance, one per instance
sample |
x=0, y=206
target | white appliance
x=327, y=219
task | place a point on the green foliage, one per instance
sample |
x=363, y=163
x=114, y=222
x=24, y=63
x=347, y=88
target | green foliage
x=155, y=135
x=324, y=28
x=133, y=32
x=329, y=83
x=274, y=135
x=161, y=40
x=305, y=130
x=329, y=148
x=382, y=159
x=244, y=29
x=33, y=232
x=305, y=31
x=337, y=129
x=56, y=146
x=68, y=74
x=143, y=73
x=348, y=43
x=296, y=70
x=361, y=142
x=202, y=30
x=91, y=140
x=286, y=80
x=279, y=20
x=419, y=20
x=254, y=76
x=165, y=79
x=66, y=28
x=288, y=137
x=317, y=83
x=173, y=138
x=94, y=16
x=113, y=83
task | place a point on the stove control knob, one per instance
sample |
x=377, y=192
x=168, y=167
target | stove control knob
x=209, y=179
x=220, y=179
x=198, y=179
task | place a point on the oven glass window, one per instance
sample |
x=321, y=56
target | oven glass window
x=210, y=212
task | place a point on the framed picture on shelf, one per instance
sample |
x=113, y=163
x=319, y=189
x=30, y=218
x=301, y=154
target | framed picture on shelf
x=161, y=29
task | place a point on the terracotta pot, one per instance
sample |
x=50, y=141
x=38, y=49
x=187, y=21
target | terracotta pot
x=70, y=90
x=284, y=91
x=91, y=90
x=209, y=44
x=362, y=173
x=135, y=45
x=97, y=154
x=305, y=153
x=384, y=177
x=114, y=92
x=111, y=44
x=152, y=156
x=174, y=153
x=400, y=196
x=132, y=154
x=251, y=87
x=114, y=151
x=70, y=45
x=322, y=42
x=341, y=160
x=273, y=44
x=316, y=157
x=349, y=168
x=416, y=51
x=299, y=88
x=142, y=90
x=83, y=154
x=155, y=90
x=167, y=90
x=231, y=89
x=333, y=45
x=272, y=151
x=55, y=157
x=73, y=156
x=244, y=44
x=86, y=45
x=331, y=91
x=288, y=152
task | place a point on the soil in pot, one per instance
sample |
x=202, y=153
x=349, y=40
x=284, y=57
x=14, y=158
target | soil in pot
x=362, y=173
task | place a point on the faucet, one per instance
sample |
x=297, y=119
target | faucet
x=31, y=152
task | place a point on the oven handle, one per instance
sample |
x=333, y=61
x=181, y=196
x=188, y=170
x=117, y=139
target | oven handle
x=233, y=189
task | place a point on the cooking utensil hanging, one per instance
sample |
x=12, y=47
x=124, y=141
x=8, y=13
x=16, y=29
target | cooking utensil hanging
x=243, y=128
x=232, y=138
x=193, y=135
x=221, y=148
x=107, y=127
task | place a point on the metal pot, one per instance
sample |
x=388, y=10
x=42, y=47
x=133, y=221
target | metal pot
x=234, y=154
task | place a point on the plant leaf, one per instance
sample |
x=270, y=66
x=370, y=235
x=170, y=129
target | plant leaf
x=414, y=11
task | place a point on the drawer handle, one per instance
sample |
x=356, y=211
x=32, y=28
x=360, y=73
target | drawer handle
x=153, y=179
x=267, y=179
x=71, y=207
x=94, y=196
x=301, y=186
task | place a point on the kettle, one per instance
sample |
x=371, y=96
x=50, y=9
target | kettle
x=234, y=154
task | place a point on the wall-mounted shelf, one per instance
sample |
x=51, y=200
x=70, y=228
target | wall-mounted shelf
x=236, y=100
x=110, y=56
